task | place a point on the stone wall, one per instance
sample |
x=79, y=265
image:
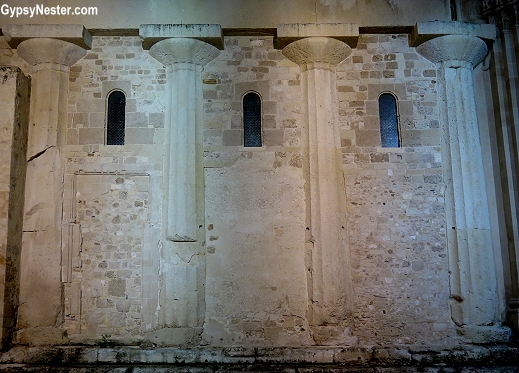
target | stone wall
x=14, y=122
x=113, y=194
x=255, y=208
x=395, y=195
x=255, y=205
x=252, y=276
x=396, y=207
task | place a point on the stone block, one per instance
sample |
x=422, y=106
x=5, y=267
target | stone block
x=153, y=33
x=392, y=357
x=424, y=31
x=75, y=34
x=72, y=137
x=405, y=108
x=136, y=120
x=269, y=121
x=80, y=118
x=97, y=120
x=139, y=136
x=269, y=107
x=261, y=87
x=346, y=32
x=371, y=122
x=232, y=137
x=94, y=105
x=156, y=120
x=374, y=90
x=236, y=122
x=109, y=85
x=117, y=287
x=273, y=137
x=91, y=136
x=131, y=105
x=117, y=319
x=367, y=138
x=379, y=157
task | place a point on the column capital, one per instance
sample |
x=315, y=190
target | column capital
x=183, y=50
x=317, y=51
x=172, y=44
x=59, y=44
x=459, y=50
x=461, y=43
x=42, y=50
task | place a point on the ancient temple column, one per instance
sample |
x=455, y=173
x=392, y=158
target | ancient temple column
x=456, y=48
x=183, y=266
x=41, y=290
x=330, y=291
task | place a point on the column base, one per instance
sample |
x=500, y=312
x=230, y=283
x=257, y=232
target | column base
x=484, y=334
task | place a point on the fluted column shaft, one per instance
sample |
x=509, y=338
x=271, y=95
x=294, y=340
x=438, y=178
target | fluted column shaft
x=182, y=271
x=330, y=284
x=41, y=289
x=473, y=273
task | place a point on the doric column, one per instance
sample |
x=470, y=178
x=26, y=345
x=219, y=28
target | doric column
x=41, y=290
x=330, y=290
x=456, y=48
x=178, y=48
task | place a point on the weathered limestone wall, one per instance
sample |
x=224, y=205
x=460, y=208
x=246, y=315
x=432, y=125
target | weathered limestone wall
x=256, y=287
x=396, y=206
x=251, y=281
x=256, y=281
x=14, y=121
x=395, y=196
x=113, y=194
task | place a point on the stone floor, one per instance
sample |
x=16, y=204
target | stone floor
x=470, y=358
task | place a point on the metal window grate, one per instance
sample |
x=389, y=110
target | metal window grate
x=388, y=121
x=116, y=118
x=251, y=120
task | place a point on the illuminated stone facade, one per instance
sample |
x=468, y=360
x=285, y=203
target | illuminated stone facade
x=320, y=242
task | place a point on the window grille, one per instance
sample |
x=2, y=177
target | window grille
x=115, y=120
x=388, y=121
x=251, y=120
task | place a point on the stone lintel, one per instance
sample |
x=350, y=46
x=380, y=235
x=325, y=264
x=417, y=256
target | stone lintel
x=209, y=33
x=75, y=34
x=424, y=31
x=290, y=32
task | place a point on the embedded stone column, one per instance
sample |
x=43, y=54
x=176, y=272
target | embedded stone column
x=182, y=269
x=14, y=123
x=41, y=291
x=330, y=288
x=456, y=48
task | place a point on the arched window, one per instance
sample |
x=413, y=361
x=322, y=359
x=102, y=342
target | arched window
x=115, y=119
x=251, y=120
x=388, y=121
